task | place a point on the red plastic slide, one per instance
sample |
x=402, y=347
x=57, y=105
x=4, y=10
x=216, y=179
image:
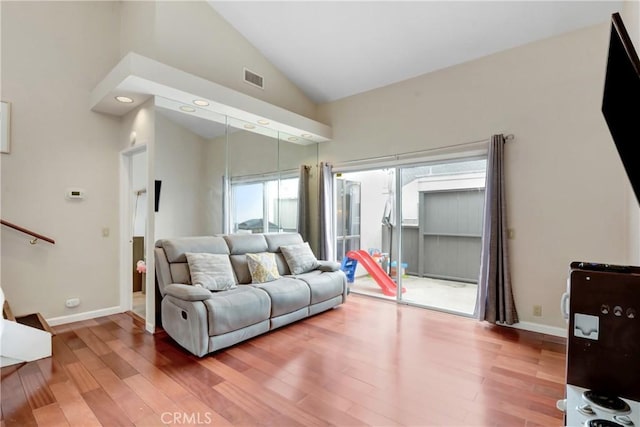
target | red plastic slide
x=388, y=286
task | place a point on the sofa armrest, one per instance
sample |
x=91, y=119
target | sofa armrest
x=187, y=292
x=328, y=266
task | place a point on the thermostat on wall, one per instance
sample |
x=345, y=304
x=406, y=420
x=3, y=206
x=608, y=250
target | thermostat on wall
x=75, y=194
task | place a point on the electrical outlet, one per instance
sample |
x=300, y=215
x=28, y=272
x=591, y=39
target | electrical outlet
x=72, y=302
x=537, y=310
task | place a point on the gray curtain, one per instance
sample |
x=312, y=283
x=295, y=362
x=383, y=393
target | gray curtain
x=303, y=203
x=495, y=297
x=327, y=235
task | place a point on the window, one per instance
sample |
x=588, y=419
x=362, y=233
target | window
x=269, y=205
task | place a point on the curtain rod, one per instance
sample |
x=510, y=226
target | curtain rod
x=507, y=138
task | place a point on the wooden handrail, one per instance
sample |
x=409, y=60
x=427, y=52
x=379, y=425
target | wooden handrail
x=36, y=236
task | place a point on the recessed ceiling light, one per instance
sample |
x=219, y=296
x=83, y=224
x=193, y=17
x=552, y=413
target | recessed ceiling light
x=187, y=109
x=293, y=139
x=306, y=135
x=263, y=122
x=124, y=99
x=249, y=126
x=201, y=102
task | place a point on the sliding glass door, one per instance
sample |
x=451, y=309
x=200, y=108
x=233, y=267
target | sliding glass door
x=442, y=209
x=435, y=218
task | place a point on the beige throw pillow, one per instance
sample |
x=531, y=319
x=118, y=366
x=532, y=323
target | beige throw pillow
x=300, y=258
x=211, y=271
x=263, y=267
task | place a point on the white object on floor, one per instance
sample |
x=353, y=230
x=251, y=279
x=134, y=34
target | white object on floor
x=21, y=343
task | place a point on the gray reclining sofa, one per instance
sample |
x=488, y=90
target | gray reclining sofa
x=203, y=321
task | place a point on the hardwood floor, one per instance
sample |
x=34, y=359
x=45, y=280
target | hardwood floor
x=368, y=362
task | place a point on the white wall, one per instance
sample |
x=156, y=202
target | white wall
x=180, y=164
x=566, y=187
x=137, y=28
x=50, y=64
x=192, y=36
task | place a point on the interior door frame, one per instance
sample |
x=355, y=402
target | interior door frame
x=126, y=233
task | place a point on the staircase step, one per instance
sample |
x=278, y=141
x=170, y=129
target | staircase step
x=35, y=320
x=7, y=313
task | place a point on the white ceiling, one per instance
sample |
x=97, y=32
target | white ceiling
x=334, y=49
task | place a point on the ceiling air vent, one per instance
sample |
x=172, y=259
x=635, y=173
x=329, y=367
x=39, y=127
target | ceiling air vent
x=253, y=79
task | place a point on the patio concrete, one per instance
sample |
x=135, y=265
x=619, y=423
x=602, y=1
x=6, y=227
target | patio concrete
x=436, y=293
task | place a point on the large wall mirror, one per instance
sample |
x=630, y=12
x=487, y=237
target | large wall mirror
x=224, y=175
x=216, y=174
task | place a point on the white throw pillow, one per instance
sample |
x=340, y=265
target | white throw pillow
x=300, y=258
x=211, y=271
x=263, y=267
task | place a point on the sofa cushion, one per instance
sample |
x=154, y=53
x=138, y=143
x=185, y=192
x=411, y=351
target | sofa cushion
x=180, y=272
x=245, y=243
x=176, y=249
x=324, y=285
x=275, y=240
x=236, y=308
x=262, y=267
x=241, y=268
x=211, y=271
x=283, y=267
x=287, y=295
x=328, y=266
x=187, y=292
x=300, y=258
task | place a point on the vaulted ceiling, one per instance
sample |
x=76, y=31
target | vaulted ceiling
x=334, y=49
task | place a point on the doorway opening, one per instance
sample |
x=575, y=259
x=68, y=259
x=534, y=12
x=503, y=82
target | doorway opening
x=439, y=228
x=134, y=230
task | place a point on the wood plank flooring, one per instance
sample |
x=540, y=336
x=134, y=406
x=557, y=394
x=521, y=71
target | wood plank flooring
x=368, y=362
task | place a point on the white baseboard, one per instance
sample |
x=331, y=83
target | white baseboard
x=543, y=329
x=61, y=320
x=150, y=327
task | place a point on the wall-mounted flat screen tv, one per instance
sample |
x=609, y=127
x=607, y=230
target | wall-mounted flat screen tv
x=157, y=199
x=621, y=100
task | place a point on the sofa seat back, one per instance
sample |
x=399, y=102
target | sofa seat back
x=242, y=244
x=239, y=245
x=275, y=241
x=172, y=260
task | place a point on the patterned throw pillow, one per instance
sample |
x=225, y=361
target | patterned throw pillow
x=263, y=267
x=300, y=258
x=211, y=271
